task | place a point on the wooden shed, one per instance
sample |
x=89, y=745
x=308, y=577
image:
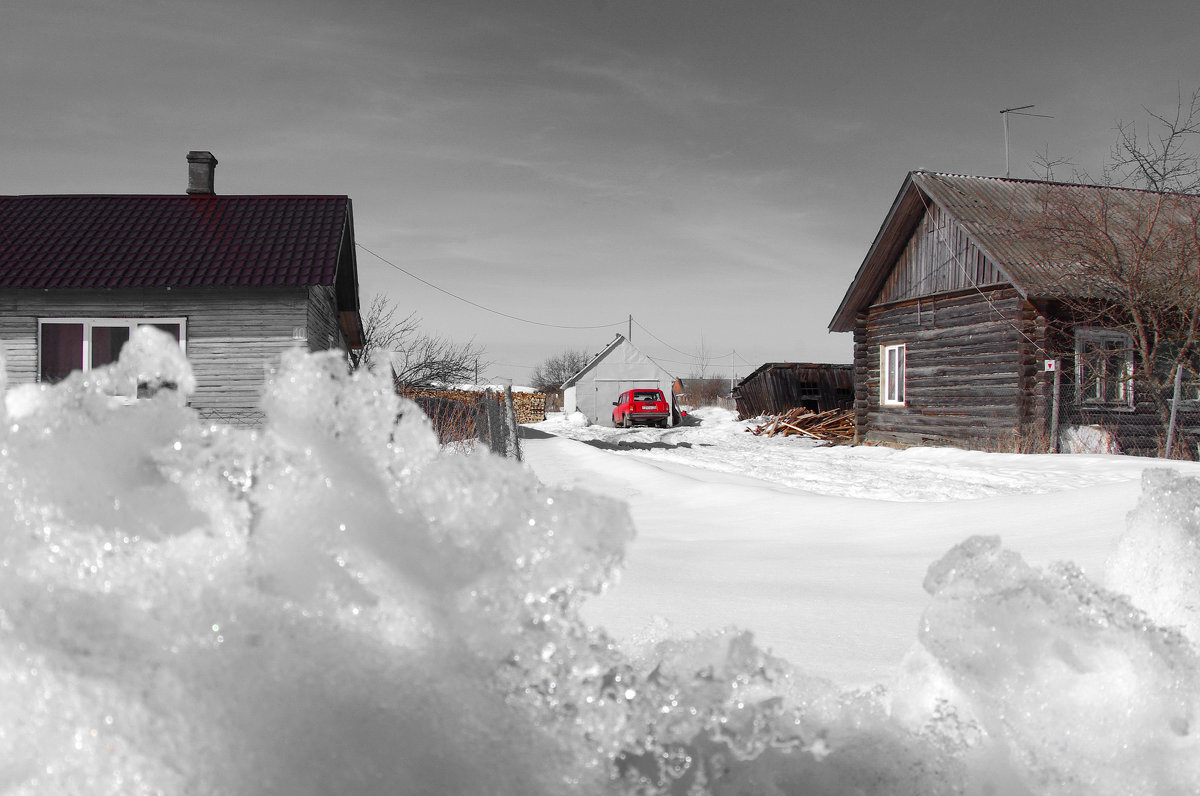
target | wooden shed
x=619, y=367
x=960, y=304
x=779, y=386
x=235, y=279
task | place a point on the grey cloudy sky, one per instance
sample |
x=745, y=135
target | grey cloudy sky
x=715, y=169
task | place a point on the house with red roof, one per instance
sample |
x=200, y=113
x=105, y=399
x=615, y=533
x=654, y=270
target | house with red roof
x=235, y=279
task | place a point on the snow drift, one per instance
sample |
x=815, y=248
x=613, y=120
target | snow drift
x=331, y=605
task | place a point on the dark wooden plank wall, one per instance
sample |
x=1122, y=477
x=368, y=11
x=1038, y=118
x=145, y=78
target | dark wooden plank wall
x=939, y=257
x=233, y=334
x=787, y=386
x=971, y=368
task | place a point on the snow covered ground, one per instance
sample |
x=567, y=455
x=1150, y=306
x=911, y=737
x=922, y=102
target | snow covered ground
x=335, y=604
x=820, y=551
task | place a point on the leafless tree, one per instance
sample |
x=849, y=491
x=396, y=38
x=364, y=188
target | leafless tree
x=549, y=376
x=1162, y=158
x=1130, y=259
x=703, y=359
x=415, y=357
x=1045, y=166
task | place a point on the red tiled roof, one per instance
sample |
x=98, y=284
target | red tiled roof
x=87, y=241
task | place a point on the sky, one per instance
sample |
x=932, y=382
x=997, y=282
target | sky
x=540, y=175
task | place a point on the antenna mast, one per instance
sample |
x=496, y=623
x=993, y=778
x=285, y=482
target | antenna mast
x=1017, y=111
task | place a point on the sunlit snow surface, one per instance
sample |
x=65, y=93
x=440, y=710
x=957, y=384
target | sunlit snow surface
x=331, y=605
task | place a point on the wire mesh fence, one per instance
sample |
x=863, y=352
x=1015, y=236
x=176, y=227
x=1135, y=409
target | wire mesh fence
x=485, y=418
x=1133, y=421
x=238, y=418
x=461, y=422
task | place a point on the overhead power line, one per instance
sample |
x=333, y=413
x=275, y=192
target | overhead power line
x=480, y=306
x=695, y=357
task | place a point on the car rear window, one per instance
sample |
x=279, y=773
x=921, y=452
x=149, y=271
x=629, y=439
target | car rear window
x=647, y=395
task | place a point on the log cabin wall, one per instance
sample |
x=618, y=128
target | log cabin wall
x=232, y=334
x=971, y=368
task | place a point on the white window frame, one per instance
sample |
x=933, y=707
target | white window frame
x=90, y=322
x=1123, y=379
x=891, y=384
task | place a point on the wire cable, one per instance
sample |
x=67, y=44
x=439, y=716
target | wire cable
x=676, y=350
x=480, y=306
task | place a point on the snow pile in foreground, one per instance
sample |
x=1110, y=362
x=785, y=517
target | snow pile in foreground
x=331, y=606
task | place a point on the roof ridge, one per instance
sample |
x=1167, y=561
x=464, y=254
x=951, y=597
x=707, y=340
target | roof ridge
x=1063, y=183
x=180, y=196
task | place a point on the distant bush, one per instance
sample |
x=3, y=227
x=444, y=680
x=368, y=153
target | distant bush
x=706, y=392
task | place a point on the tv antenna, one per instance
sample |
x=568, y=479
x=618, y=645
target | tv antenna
x=1018, y=111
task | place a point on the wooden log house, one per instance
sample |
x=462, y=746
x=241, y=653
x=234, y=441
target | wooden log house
x=958, y=306
x=236, y=279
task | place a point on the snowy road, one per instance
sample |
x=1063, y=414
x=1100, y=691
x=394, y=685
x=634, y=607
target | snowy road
x=821, y=552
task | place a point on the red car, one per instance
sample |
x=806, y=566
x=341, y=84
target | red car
x=641, y=407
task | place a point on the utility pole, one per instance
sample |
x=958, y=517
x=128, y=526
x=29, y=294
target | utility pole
x=630, y=337
x=1017, y=111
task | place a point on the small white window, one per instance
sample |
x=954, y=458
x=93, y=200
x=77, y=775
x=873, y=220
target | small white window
x=67, y=344
x=891, y=375
x=1104, y=367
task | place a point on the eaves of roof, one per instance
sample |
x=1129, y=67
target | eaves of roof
x=608, y=349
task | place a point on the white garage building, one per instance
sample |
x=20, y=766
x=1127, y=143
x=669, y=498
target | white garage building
x=619, y=367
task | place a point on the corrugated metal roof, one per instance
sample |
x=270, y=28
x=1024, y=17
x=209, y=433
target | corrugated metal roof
x=90, y=241
x=1008, y=220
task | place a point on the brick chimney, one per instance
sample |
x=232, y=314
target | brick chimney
x=201, y=168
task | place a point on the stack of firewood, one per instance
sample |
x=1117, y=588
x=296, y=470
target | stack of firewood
x=836, y=425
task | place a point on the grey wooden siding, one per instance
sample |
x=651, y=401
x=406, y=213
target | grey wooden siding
x=324, y=331
x=971, y=368
x=939, y=257
x=233, y=334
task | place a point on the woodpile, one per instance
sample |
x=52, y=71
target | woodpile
x=530, y=407
x=835, y=425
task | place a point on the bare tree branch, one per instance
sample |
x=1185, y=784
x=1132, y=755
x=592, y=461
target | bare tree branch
x=416, y=358
x=1161, y=160
x=1045, y=166
x=549, y=376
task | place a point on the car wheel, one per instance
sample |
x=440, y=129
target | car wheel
x=628, y=421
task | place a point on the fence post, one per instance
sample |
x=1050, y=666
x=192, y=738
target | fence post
x=1054, y=402
x=495, y=442
x=513, y=446
x=1174, y=411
